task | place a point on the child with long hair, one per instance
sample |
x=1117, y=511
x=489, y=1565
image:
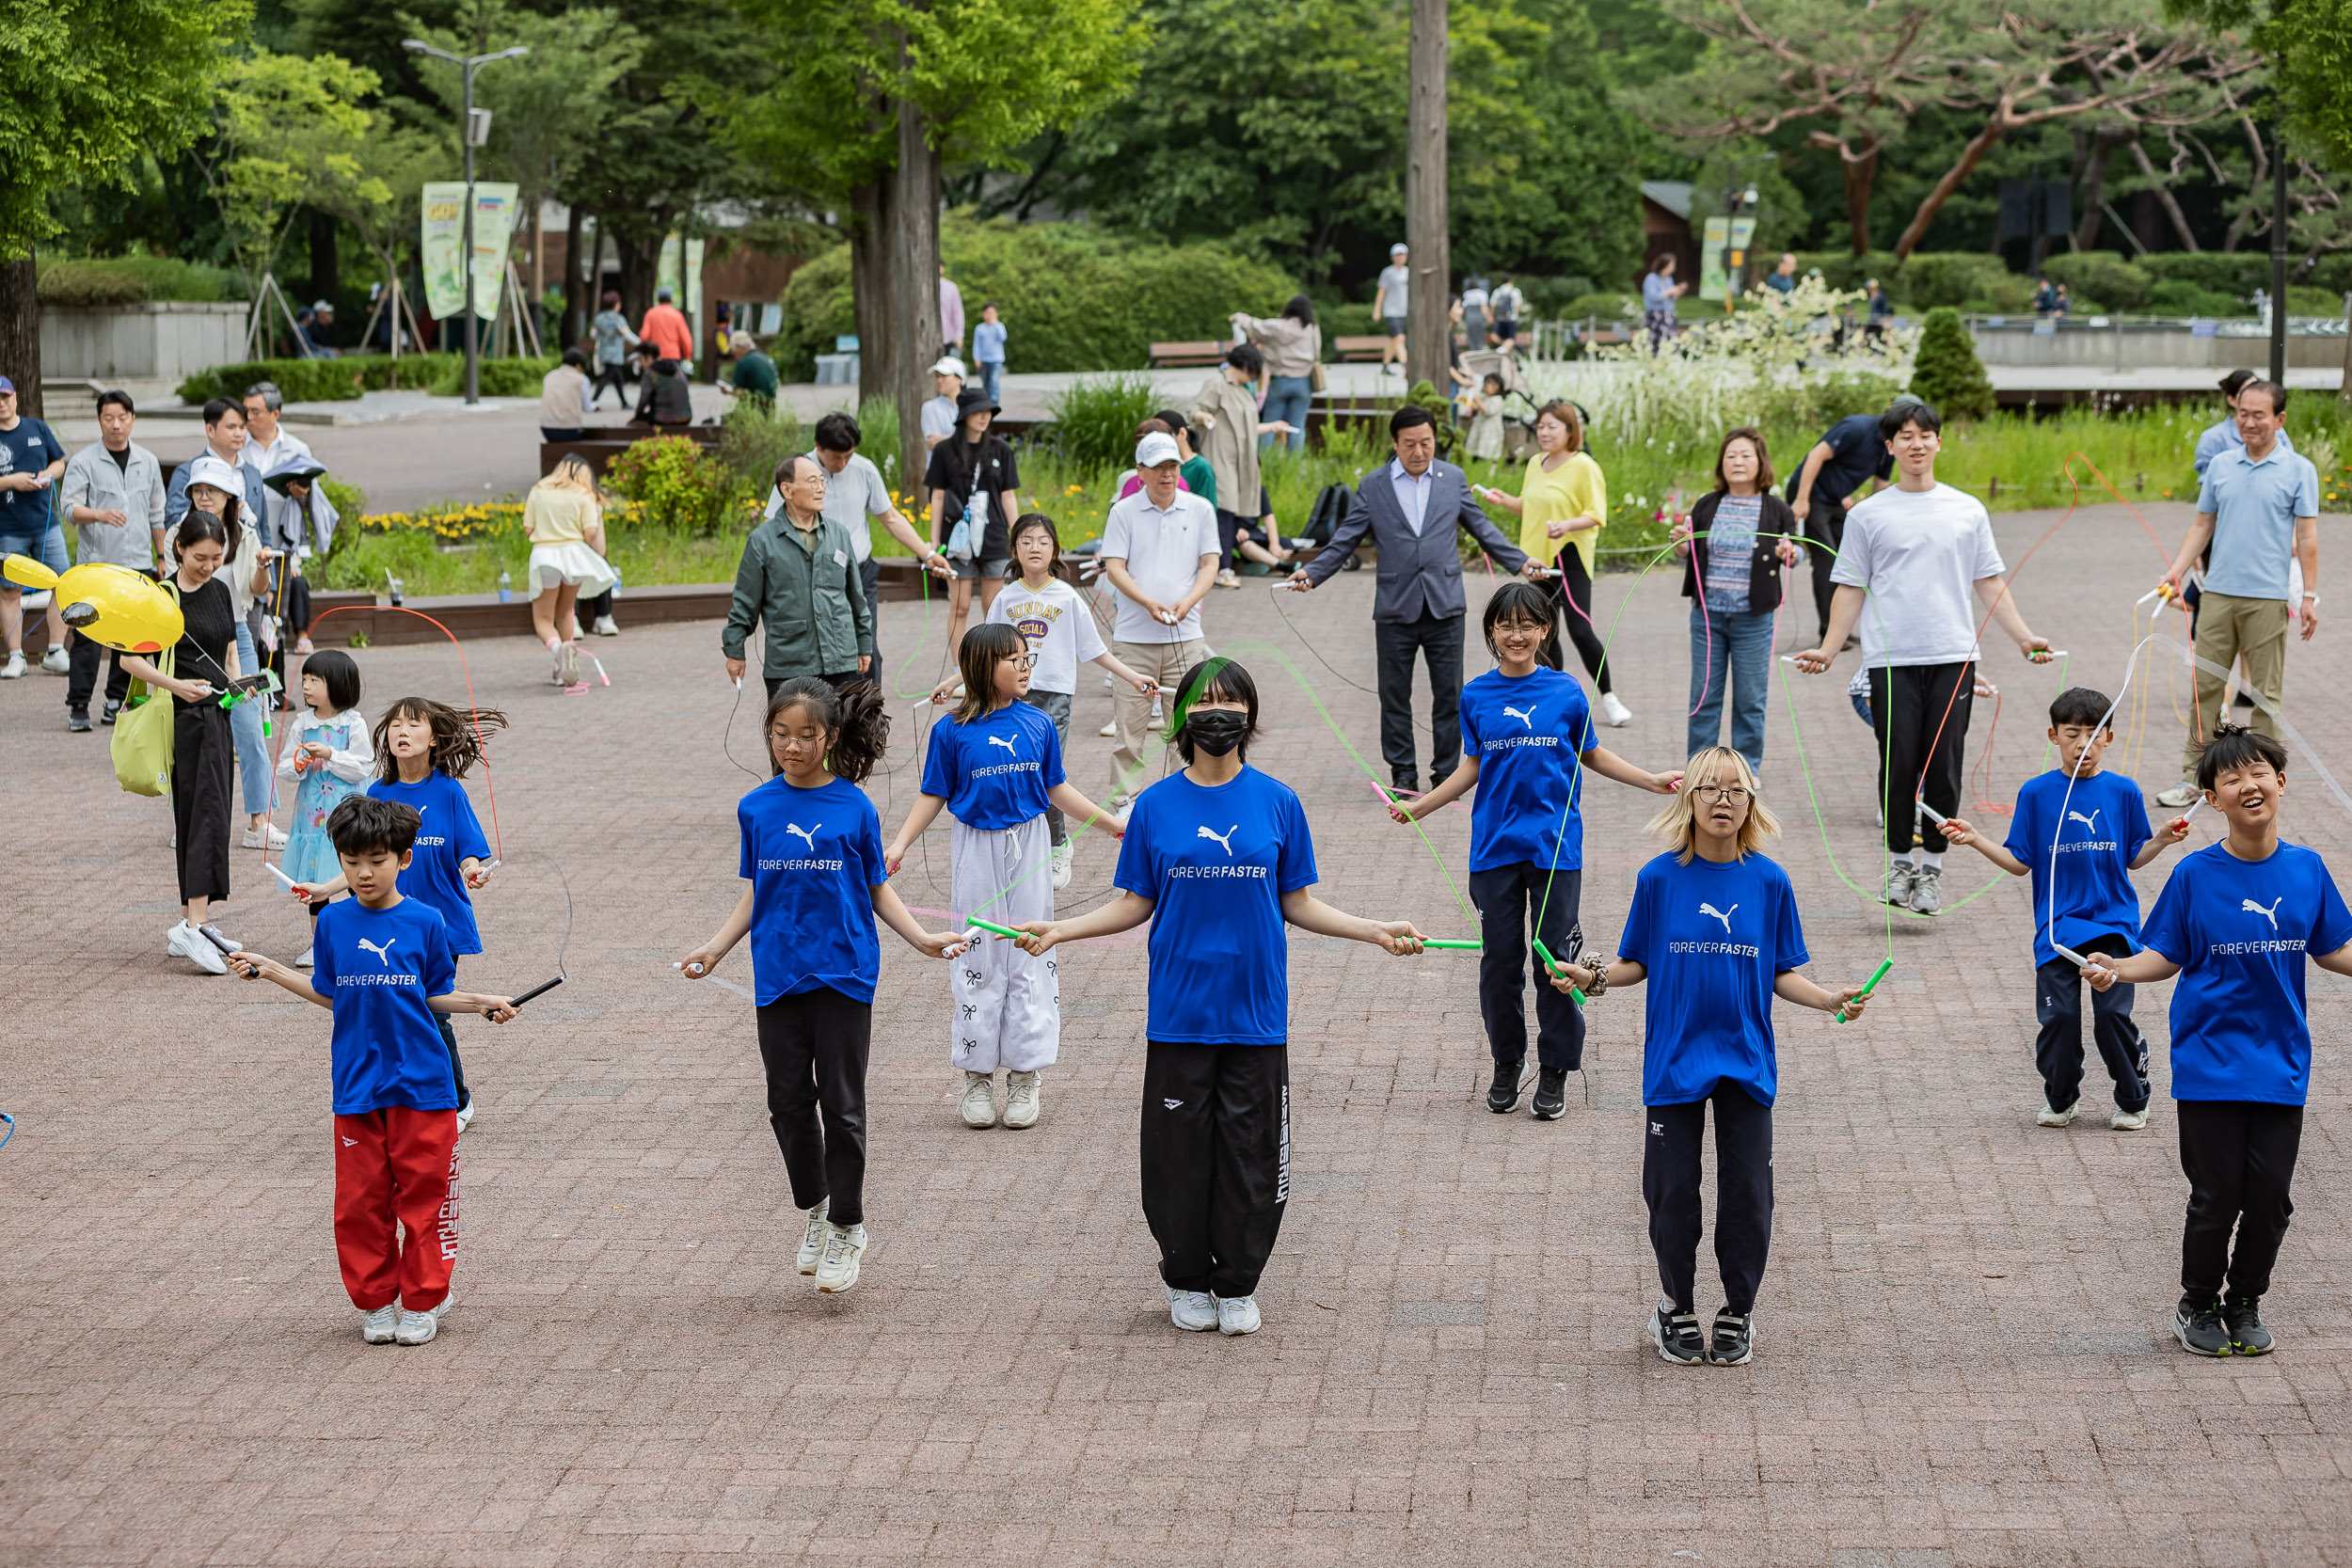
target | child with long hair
x=423, y=749
x=565, y=517
x=996, y=765
x=813, y=858
x=1050, y=615
x=327, y=757
x=1714, y=930
x=1526, y=729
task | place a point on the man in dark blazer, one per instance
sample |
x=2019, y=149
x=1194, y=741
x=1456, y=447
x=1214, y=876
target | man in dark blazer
x=1412, y=507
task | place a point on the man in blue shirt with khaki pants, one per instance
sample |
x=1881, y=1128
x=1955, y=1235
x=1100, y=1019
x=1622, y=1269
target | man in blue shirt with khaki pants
x=2259, y=511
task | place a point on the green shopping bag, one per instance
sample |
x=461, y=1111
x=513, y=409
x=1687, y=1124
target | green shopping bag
x=142, y=739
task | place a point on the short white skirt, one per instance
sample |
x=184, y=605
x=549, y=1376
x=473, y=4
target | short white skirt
x=552, y=565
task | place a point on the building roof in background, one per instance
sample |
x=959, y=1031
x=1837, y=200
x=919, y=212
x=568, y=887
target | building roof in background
x=1672, y=195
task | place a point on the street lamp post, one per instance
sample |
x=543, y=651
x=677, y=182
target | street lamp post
x=468, y=65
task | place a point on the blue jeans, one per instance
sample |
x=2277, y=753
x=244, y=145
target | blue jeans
x=1732, y=650
x=1286, y=400
x=993, y=379
x=245, y=728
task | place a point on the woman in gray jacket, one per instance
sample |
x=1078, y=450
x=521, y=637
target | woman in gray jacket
x=1292, y=342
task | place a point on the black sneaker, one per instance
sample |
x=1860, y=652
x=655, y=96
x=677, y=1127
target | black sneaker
x=1734, y=1341
x=77, y=720
x=1550, y=1093
x=2243, y=1316
x=1502, y=1096
x=2199, y=1327
x=108, y=716
x=1677, y=1336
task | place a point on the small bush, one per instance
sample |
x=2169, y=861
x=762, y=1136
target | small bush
x=324, y=380
x=1094, y=419
x=878, y=441
x=674, y=484
x=2101, y=275
x=2177, y=296
x=80, y=282
x=499, y=378
x=2237, y=273
x=1949, y=277
x=1945, y=371
x=1606, y=305
x=753, y=441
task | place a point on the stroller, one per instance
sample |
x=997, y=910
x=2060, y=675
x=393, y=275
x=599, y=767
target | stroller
x=1504, y=427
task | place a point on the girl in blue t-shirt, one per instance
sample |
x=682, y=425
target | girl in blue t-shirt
x=1525, y=727
x=423, y=749
x=2238, y=922
x=813, y=859
x=996, y=765
x=1714, y=928
x=1217, y=858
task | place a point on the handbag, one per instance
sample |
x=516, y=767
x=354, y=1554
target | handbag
x=1316, y=381
x=960, y=543
x=141, y=747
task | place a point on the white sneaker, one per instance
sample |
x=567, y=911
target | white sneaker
x=1064, y=852
x=14, y=668
x=304, y=961
x=1927, y=891
x=2047, y=1117
x=1895, y=890
x=376, y=1327
x=979, y=1099
x=1618, y=714
x=2128, y=1122
x=1109, y=731
x=1021, y=1106
x=836, y=1271
x=188, y=943
x=2181, y=794
x=1227, y=580
x=567, y=664
x=465, y=1113
x=605, y=626
x=56, y=663
x=417, y=1328
x=813, y=1239
x=271, y=836
x=1237, y=1315
x=1194, y=1311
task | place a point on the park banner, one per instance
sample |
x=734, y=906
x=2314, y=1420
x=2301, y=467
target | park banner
x=1711, y=276
x=443, y=237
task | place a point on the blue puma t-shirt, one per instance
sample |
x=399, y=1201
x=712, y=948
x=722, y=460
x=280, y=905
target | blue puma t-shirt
x=813, y=858
x=376, y=968
x=994, y=771
x=1715, y=939
x=448, y=833
x=1527, y=734
x=2098, y=828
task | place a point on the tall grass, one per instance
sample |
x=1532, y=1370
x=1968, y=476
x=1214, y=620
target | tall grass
x=1094, y=419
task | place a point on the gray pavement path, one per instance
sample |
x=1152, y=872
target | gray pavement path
x=1963, y=1353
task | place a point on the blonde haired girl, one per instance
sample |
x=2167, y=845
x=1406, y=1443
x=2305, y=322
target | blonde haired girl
x=565, y=517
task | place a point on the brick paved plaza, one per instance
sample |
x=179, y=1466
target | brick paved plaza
x=1963, y=1348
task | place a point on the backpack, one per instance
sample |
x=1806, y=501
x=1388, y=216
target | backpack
x=1333, y=506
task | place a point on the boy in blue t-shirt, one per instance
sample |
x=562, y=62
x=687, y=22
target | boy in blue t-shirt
x=2079, y=833
x=2236, y=923
x=382, y=964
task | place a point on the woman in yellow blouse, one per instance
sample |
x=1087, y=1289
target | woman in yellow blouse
x=1562, y=502
x=565, y=517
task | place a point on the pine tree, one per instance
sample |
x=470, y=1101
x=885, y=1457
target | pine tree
x=1945, y=371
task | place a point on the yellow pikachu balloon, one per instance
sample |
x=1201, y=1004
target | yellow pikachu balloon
x=109, y=604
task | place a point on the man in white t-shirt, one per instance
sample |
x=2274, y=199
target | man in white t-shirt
x=1160, y=551
x=1916, y=562
x=854, y=494
x=1388, y=298
x=939, y=413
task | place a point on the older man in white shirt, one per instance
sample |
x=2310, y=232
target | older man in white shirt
x=1160, y=551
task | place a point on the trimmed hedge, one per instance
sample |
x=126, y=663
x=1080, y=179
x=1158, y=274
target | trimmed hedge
x=1071, y=297
x=343, y=380
x=71, y=282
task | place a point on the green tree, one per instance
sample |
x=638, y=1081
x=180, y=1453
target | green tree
x=1944, y=369
x=88, y=88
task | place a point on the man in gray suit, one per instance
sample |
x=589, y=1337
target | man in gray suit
x=1412, y=507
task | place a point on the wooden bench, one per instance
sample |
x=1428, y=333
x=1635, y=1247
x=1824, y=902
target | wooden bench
x=1180, y=355
x=1352, y=350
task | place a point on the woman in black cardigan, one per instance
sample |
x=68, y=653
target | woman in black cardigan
x=1736, y=540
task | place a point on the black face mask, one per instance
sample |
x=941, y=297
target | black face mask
x=1215, y=731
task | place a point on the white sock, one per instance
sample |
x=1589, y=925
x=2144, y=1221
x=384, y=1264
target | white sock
x=1930, y=858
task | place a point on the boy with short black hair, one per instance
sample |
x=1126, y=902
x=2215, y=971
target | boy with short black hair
x=2079, y=833
x=2236, y=923
x=382, y=965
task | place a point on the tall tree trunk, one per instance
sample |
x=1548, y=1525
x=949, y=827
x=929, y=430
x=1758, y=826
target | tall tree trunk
x=640, y=257
x=1425, y=230
x=574, y=322
x=1970, y=156
x=2163, y=193
x=2094, y=182
x=911, y=251
x=870, y=295
x=1861, y=174
x=327, y=273
x=19, y=334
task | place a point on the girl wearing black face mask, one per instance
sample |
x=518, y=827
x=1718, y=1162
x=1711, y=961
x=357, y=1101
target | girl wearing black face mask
x=1218, y=858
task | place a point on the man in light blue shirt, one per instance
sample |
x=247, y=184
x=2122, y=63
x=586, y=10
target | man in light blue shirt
x=2258, y=511
x=2222, y=435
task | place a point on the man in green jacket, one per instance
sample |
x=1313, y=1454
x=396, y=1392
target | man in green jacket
x=799, y=577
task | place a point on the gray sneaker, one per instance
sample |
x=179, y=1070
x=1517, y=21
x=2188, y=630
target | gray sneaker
x=2181, y=794
x=1900, y=876
x=1927, y=890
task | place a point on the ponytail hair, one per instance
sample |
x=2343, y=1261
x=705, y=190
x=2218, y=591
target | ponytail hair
x=856, y=721
x=457, y=738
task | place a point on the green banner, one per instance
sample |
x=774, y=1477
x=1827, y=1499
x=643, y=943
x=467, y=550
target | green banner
x=443, y=236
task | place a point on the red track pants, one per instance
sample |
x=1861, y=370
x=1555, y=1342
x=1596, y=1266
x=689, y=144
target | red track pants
x=396, y=1168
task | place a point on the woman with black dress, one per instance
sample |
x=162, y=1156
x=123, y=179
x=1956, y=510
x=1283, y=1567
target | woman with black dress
x=203, y=754
x=972, y=478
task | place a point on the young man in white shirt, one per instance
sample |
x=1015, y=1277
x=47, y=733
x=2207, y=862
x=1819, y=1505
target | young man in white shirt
x=1389, y=298
x=1160, y=551
x=1916, y=562
x=854, y=494
x=114, y=495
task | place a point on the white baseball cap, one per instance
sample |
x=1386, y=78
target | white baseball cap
x=950, y=365
x=1155, y=448
x=212, y=470
x=1399, y=248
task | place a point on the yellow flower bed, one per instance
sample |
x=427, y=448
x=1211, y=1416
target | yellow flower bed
x=474, y=521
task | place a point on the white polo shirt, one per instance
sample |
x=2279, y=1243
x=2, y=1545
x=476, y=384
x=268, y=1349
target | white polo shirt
x=1163, y=551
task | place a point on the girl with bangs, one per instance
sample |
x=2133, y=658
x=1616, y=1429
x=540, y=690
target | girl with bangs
x=1714, y=928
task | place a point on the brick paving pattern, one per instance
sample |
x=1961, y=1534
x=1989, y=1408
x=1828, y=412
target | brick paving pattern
x=1963, y=1354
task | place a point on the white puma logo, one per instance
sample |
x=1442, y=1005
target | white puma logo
x=2270, y=914
x=383, y=954
x=808, y=837
x=1724, y=915
x=1225, y=838
x=1170, y=1104
x=1000, y=740
x=1526, y=719
x=2091, y=823
x=351, y=1143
